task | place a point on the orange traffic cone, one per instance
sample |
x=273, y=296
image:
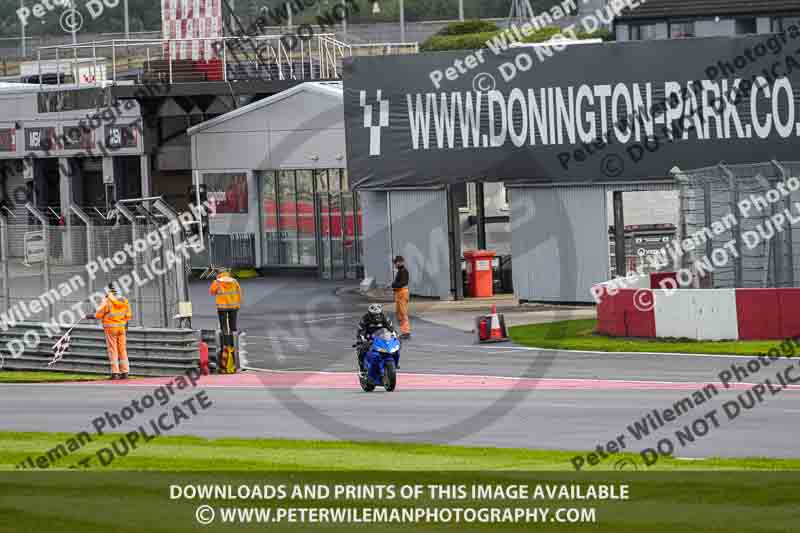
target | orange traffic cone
x=498, y=330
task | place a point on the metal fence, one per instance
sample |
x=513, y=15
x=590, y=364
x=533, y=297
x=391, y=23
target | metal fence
x=234, y=250
x=710, y=198
x=263, y=57
x=48, y=269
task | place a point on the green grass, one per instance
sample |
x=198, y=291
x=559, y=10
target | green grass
x=579, y=335
x=24, y=376
x=198, y=454
x=134, y=493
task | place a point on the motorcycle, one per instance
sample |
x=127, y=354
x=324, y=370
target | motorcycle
x=380, y=361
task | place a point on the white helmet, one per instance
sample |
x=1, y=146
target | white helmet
x=375, y=309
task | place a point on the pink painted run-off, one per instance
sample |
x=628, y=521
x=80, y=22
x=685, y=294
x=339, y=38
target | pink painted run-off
x=436, y=382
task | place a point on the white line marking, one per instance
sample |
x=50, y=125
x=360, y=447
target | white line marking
x=479, y=376
x=326, y=318
x=710, y=355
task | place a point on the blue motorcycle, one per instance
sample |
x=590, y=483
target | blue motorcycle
x=380, y=361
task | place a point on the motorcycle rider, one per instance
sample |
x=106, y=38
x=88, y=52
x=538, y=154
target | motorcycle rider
x=373, y=320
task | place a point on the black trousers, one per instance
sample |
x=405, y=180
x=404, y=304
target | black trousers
x=227, y=318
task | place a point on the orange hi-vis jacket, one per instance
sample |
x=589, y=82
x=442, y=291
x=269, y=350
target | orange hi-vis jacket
x=115, y=311
x=227, y=292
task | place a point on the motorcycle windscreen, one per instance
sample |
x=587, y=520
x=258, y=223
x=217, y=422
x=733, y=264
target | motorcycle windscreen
x=383, y=334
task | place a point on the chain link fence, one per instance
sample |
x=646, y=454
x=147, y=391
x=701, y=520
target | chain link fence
x=737, y=209
x=49, y=269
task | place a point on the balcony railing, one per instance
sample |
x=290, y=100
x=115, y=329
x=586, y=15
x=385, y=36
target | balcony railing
x=264, y=57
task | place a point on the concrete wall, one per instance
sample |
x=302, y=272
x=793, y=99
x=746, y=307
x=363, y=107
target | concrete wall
x=696, y=314
x=559, y=241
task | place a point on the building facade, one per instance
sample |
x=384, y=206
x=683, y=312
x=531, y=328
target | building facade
x=276, y=169
x=677, y=19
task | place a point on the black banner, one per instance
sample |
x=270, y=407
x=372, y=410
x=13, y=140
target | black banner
x=582, y=113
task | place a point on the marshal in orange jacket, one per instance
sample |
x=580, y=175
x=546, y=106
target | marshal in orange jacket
x=115, y=311
x=227, y=292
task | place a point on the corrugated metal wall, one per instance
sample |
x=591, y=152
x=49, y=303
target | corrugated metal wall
x=559, y=242
x=377, y=236
x=419, y=233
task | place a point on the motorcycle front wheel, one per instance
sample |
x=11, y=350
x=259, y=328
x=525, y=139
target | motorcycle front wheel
x=389, y=376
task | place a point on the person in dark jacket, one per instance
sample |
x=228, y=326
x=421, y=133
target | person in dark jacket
x=400, y=286
x=373, y=320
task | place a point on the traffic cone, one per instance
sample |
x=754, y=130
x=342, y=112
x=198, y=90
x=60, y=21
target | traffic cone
x=498, y=332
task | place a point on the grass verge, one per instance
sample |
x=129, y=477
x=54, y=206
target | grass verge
x=579, y=335
x=24, y=376
x=155, y=488
x=181, y=453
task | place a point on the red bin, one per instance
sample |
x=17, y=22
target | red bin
x=479, y=273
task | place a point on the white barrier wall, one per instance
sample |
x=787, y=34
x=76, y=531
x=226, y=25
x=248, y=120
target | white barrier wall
x=701, y=314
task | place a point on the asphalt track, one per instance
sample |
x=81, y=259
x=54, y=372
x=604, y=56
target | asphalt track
x=450, y=390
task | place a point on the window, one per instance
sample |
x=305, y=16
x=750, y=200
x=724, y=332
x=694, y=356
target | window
x=287, y=218
x=781, y=24
x=55, y=101
x=306, y=231
x=310, y=219
x=8, y=140
x=77, y=138
x=643, y=32
x=681, y=30
x=40, y=138
x=746, y=26
x=120, y=137
x=269, y=208
x=227, y=192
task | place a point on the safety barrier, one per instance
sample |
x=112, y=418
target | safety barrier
x=702, y=314
x=151, y=351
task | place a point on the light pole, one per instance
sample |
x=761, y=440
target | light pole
x=74, y=29
x=127, y=22
x=461, y=10
x=22, y=28
x=402, y=22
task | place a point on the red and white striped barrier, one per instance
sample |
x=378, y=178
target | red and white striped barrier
x=702, y=314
